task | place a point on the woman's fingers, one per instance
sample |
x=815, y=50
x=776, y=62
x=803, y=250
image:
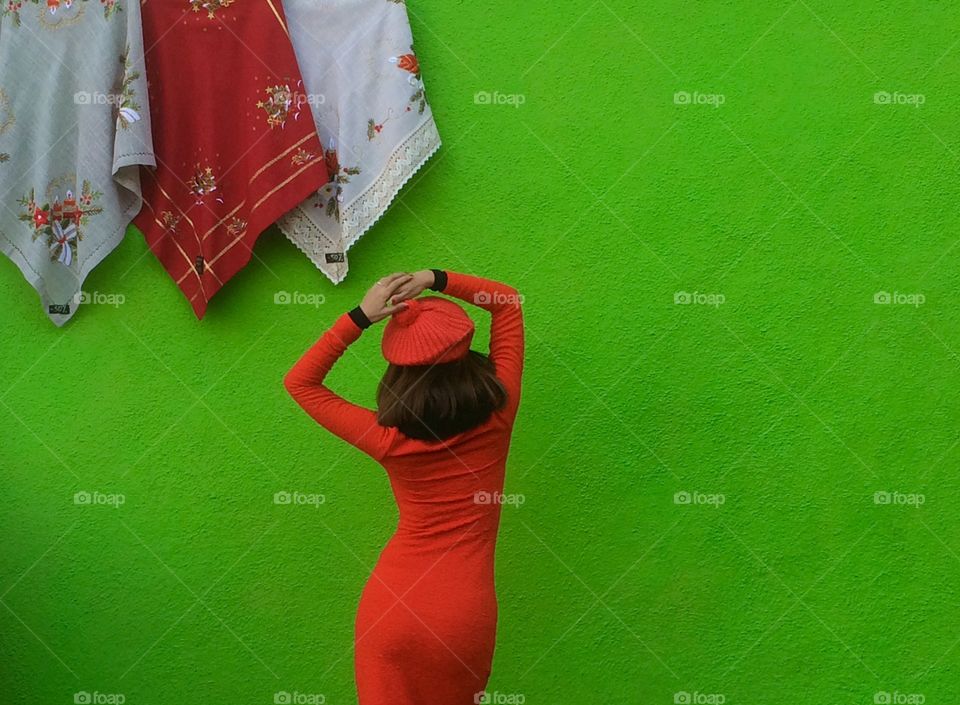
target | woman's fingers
x=389, y=280
x=404, y=292
x=397, y=283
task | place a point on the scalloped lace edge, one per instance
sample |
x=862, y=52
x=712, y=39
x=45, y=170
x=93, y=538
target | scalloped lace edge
x=404, y=163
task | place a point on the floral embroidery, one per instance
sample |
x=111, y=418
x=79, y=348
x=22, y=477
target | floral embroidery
x=303, y=157
x=410, y=64
x=374, y=128
x=333, y=192
x=13, y=8
x=170, y=222
x=279, y=105
x=60, y=221
x=407, y=62
x=6, y=113
x=211, y=6
x=126, y=109
x=203, y=183
x=236, y=226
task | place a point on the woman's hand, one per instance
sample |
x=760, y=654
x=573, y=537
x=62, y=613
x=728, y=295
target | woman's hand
x=382, y=299
x=415, y=285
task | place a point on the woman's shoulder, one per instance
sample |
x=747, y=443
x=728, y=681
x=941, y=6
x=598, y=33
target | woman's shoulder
x=496, y=427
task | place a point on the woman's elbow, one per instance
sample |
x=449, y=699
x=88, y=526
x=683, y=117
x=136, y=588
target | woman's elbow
x=292, y=383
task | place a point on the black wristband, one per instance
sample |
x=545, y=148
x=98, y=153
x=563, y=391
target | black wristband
x=359, y=317
x=439, y=280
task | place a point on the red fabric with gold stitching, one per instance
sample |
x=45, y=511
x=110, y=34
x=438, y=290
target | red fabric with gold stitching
x=235, y=141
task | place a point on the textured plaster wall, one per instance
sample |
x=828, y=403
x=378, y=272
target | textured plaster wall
x=599, y=197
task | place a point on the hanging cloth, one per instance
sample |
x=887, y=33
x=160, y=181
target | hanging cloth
x=74, y=126
x=372, y=114
x=235, y=138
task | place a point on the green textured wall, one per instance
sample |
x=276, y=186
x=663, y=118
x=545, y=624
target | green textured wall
x=790, y=201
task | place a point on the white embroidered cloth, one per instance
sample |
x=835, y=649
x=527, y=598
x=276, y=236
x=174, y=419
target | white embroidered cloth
x=364, y=87
x=74, y=126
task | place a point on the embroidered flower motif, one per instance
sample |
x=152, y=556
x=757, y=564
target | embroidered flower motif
x=407, y=62
x=60, y=221
x=279, y=105
x=203, y=183
x=303, y=157
x=374, y=128
x=13, y=8
x=170, y=222
x=211, y=6
x=7, y=118
x=331, y=196
x=410, y=64
x=236, y=226
x=126, y=109
x=40, y=218
x=339, y=174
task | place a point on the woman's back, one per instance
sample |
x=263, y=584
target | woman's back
x=426, y=622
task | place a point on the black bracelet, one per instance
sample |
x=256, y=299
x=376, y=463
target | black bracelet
x=439, y=280
x=359, y=317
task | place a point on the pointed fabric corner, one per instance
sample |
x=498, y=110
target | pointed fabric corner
x=367, y=93
x=235, y=138
x=71, y=140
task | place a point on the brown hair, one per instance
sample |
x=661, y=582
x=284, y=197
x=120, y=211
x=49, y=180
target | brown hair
x=435, y=402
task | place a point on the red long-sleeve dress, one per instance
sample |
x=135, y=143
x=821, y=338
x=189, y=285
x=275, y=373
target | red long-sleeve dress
x=426, y=623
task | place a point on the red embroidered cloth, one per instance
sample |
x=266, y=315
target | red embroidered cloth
x=235, y=140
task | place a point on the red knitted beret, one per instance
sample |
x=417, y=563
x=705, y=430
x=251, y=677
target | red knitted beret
x=429, y=330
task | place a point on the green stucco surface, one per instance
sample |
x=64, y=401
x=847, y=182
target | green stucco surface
x=784, y=192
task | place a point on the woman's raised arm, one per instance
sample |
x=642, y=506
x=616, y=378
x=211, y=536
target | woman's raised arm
x=506, y=326
x=305, y=380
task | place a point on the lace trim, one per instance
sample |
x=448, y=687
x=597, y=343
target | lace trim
x=357, y=218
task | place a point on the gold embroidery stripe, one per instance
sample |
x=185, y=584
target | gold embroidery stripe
x=191, y=267
x=280, y=186
x=257, y=205
x=279, y=157
x=279, y=19
x=174, y=204
x=224, y=218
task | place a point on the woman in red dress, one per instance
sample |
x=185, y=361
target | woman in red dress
x=426, y=624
